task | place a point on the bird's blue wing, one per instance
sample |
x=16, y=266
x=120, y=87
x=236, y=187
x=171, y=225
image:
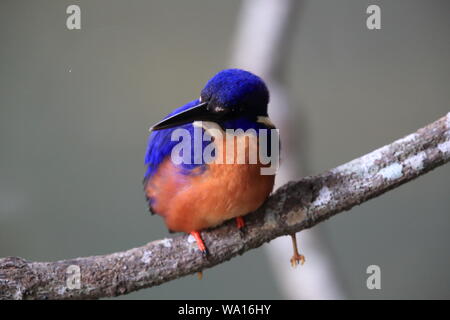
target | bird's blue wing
x=160, y=146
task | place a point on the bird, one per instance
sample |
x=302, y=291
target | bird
x=195, y=195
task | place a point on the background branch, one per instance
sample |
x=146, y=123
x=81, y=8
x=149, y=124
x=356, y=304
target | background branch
x=279, y=22
x=295, y=206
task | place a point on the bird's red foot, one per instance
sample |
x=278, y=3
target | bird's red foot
x=297, y=258
x=240, y=223
x=200, y=244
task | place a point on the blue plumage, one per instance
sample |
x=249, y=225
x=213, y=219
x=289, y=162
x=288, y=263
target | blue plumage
x=237, y=89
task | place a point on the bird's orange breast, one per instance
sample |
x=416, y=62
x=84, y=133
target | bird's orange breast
x=198, y=201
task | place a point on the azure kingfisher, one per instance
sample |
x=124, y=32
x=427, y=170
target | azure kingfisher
x=195, y=195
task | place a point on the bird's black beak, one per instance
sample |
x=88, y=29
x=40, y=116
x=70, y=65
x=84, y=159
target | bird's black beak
x=199, y=112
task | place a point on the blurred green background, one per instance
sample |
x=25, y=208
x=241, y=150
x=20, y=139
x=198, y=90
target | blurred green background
x=75, y=107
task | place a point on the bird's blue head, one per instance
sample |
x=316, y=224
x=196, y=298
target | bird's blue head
x=229, y=95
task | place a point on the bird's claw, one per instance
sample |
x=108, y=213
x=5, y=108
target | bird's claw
x=204, y=252
x=297, y=259
x=243, y=230
x=200, y=244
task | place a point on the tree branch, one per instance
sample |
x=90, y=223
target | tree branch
x=295, y=206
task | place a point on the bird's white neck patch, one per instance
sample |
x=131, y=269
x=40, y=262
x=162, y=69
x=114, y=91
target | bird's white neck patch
x=208, y=126
x=266, y=121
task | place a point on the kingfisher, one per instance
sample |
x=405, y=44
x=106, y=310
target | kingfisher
x=195, y=194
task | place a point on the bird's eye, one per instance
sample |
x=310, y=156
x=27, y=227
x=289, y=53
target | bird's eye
x=219, y=109
x=214, y=108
